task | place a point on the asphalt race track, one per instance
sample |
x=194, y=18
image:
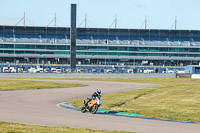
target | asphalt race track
x=38, y=107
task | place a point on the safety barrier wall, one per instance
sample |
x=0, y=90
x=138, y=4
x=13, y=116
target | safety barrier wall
x=195, y=76
x=87, y=75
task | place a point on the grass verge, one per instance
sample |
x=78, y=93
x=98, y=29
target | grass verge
x=173, y=99
x=21, y=128
x=27, y=85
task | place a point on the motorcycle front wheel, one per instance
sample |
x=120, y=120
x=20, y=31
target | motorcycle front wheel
x=83, y=109
x=94, y=109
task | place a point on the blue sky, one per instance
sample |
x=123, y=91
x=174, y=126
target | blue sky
x=101, y=13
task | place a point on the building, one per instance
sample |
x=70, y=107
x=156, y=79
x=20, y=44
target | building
x=192, y=69
x=100, y=46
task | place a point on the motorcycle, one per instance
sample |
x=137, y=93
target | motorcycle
x=92, y=106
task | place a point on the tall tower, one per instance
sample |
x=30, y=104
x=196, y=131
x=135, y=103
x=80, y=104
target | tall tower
x=73, y=38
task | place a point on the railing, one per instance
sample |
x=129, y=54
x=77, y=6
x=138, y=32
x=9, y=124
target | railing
x=103, y=42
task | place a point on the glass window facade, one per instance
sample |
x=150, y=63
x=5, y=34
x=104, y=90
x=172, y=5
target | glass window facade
x=100, y=50
x=114, y=43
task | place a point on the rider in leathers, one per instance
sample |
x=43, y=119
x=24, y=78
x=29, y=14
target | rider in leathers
x=97, y=93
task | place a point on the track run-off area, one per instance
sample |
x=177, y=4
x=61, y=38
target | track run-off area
x=38, y=107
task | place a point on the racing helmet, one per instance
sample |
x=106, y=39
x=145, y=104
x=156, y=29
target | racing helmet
x=98, y=91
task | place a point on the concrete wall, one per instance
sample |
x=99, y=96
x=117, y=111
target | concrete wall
x=195, y=76
x=87, y=75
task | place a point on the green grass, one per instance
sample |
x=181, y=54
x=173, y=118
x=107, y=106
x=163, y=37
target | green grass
x=21, y=128
x=174, y=99
x=27, y=85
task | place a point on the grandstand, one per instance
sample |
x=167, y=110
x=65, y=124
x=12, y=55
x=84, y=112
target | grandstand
x=100, y=46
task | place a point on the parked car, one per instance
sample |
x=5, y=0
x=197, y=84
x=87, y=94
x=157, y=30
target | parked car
x=47, y=70
x=32, y=70
x=81, y=70
x=109, y=71
x=67, y=71
x=20, y=69
x=12, y=70
x=5, y=69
